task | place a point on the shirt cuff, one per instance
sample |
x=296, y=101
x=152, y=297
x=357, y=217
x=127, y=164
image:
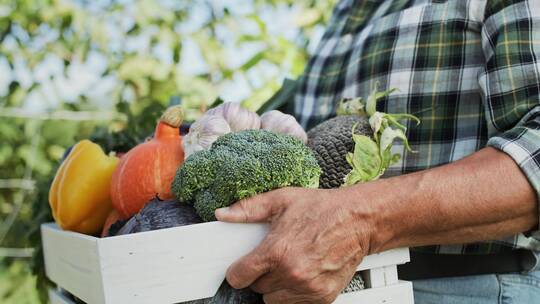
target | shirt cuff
x=522, y=143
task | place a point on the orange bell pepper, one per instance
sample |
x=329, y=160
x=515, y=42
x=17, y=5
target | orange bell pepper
x=80, y=193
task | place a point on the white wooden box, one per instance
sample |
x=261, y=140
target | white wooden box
x=181, y=264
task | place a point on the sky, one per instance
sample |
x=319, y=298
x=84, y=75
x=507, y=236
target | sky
x=85, y=77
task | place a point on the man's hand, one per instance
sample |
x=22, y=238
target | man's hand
x=317, y=237
x=311, y=252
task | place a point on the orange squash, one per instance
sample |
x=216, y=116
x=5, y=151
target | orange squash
x=147, y=170
x=112, y=218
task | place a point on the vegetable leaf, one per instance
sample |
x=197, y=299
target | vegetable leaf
x=371, y=157
x=365, y=160
x=353, y=106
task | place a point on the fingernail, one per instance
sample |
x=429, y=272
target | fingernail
x=221, y=212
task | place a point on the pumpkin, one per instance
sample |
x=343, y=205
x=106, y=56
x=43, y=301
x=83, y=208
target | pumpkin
x=147, y=170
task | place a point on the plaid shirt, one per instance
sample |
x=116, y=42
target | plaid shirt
x=467, y=68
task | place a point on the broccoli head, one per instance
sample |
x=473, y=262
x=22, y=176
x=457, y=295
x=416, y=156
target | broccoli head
x=240, y=165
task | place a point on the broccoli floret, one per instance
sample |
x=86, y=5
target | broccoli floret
x=240, y=165
x=198, y=174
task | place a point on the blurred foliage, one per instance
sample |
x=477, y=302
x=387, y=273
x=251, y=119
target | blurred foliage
x=17, y=286
x=131, y=59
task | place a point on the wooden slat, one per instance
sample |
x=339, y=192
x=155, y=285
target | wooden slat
x=381, y=276
x=400, y=293
x=71, y=261
x=391, y=257
x=375, y=278
x=174, y=265
x=162, y=266
x=390, y=275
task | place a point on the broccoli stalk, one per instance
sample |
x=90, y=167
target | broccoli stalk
x=240, y=165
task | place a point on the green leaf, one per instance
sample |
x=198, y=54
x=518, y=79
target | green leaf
x=251, y=62
x=382, y=94
x=391, y=121
x=365, y=160
x=260, y=23
x=376, y=122
x=354, y=177
x=400, y=116
x=248, y=38
x=354, y=106
x=371, y=104
x=389, y=135
x=388, y=158
x=216, y=103
x=395, y=158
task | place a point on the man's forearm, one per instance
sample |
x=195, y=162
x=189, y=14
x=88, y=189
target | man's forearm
x=312, y=248
x=482, y=197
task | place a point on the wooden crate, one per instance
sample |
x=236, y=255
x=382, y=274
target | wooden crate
x=181, y=264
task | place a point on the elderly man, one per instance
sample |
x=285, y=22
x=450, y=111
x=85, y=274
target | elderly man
x=467, y=201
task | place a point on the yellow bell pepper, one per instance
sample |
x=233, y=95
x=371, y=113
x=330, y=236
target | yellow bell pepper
x=80, y=193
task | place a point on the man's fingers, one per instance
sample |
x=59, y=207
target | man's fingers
x=276, y=297
x=291, y=296
x=245, y=271
x=255, y=209
x=268, y=283
x=283, y=296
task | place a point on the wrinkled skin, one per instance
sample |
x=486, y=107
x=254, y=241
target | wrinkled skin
x=310, y=253
x=318, y=236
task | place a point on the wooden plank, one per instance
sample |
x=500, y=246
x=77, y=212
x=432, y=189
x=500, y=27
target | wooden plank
x=395, y=256
x=184, y=263
x=71, y=261
x=390, y=275
x=162, y=266
x=381, y=276
x=174, y=265
x=375, y=278
x=397, y=294
x=401, y=293
x=57, y=297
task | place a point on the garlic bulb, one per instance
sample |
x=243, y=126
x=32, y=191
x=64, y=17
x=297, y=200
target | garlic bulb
x=283, y=123
x=203, y=133
x=238, y=118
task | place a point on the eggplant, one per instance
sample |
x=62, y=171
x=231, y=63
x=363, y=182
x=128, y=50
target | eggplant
x=158, y=214
x=228, y=295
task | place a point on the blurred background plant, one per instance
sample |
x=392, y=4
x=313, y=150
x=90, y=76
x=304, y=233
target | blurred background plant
x=72, y=69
